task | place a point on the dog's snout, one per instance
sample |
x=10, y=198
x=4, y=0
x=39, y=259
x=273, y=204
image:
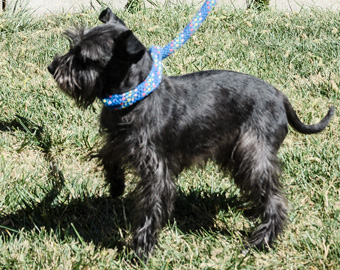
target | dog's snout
x=51, y=69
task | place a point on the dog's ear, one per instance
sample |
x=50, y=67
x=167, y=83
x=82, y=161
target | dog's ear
x=128, y=47
x=74, y=36
x=107, y=16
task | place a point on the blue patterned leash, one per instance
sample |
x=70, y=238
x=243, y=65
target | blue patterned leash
x=121, y=101
x=190, y=29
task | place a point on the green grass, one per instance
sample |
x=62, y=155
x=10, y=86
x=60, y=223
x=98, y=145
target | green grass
x=55, y=210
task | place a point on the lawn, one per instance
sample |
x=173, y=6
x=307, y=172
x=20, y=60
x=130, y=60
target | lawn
x=55, y=210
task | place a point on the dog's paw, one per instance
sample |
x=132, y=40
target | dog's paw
x=116, y=191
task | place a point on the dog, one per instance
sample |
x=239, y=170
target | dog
x=235, y=119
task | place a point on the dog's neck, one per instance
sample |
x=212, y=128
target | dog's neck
x=137, y=81
x=127, y=75
x=137, y=72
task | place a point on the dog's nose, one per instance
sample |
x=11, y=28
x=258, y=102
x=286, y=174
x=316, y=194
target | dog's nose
x=51, y=68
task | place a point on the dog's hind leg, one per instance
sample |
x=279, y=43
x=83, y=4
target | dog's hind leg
x=256, y=172
x=154, y=203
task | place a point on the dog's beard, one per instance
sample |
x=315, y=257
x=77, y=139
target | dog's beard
x=78, y=80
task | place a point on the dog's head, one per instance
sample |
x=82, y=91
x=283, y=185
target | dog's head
x=98, y=57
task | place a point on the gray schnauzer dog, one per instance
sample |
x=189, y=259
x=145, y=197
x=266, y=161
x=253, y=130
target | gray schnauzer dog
x=235, y=119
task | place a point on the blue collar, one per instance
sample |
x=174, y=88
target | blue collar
x=121, y=101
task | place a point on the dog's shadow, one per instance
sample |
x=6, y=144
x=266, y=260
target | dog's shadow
x=104, y=221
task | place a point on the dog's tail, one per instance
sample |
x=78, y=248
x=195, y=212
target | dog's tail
x=295, y=122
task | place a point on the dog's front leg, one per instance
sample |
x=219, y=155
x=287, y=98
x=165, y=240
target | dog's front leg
x=114, y=176
x=113, y=171
x=154, y=203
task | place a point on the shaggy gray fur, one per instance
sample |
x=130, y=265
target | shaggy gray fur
x=235, y=119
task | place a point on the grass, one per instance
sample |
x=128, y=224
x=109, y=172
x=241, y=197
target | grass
x=55, y=210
